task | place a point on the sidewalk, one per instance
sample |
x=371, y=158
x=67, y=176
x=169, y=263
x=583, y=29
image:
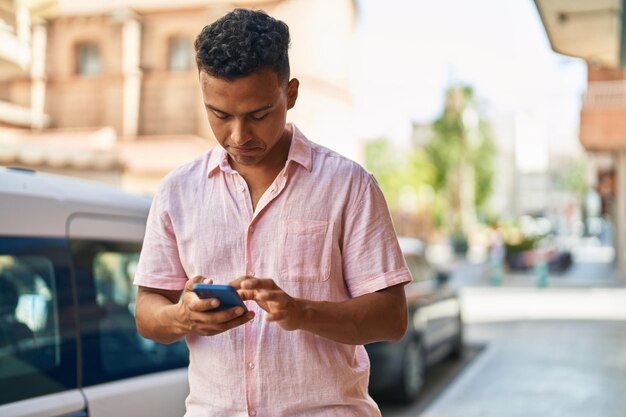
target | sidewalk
x=541, y=368
x=555, y=351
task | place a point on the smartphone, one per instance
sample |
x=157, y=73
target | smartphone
x=225, y=293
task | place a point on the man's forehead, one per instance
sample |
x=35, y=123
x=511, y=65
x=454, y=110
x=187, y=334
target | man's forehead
x=265, y=75
x=260, y=88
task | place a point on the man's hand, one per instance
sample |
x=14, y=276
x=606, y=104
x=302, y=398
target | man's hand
x=279, y=306
x=197, y=317
x=373, y=317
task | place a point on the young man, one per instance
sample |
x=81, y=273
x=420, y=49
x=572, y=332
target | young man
x=302, y=233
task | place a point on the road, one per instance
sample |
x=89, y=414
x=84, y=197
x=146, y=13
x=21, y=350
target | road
x=437, y=379
x=550, y=352
x=548, y=368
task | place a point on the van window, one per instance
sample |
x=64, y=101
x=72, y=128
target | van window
x=28, y=317
x=112, y=347
x=33, y=359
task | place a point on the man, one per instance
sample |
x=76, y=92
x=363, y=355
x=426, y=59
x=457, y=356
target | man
x=302, y=233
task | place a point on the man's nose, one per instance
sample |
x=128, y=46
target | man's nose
x=240, y=133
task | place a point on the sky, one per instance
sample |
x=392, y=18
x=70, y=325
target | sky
x=409, y=51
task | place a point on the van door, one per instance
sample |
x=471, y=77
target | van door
x=124, y=374
x=38, y=343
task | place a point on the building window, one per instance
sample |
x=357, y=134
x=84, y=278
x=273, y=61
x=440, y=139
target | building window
x=180, y=55
x=88, y=58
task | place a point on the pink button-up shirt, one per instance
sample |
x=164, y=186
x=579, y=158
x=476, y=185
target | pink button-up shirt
x=322, y=231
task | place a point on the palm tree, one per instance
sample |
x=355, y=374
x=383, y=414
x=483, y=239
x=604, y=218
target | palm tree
x=462, y=152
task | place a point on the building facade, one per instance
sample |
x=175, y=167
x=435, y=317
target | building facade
x=128, y=67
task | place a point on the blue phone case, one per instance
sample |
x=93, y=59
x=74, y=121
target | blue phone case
x=225, y=293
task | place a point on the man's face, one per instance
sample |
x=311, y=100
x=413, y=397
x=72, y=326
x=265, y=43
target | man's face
x=248, y=115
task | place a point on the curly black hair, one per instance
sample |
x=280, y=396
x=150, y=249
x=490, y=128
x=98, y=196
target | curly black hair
x=242, y=42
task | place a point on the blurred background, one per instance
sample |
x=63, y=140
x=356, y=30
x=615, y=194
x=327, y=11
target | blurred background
x=495, y=128
x=474, y=127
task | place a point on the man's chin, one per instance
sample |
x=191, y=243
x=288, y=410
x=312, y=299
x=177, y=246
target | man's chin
x=247, y=160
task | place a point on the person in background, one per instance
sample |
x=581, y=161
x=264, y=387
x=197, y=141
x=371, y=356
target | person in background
x=301, y=232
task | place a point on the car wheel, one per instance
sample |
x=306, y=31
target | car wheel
x=413, y=369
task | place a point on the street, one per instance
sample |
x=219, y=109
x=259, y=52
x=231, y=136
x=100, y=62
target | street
x=549, y=352
x=437, y=379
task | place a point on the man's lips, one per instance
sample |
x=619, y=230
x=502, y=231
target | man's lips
x=246, y=149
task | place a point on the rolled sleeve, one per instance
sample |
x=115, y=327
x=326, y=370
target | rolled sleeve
x=380, y=282
x=159, y=263
x=372, y=259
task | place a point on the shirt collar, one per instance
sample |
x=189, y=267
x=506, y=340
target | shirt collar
x=300, y=149
x=299, y=152
x=218, y=159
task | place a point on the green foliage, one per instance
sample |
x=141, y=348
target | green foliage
x=574, y=179
x=452, y=141
x=482, y=159
x=455, y=140
x=395, y=170
x=523, y=245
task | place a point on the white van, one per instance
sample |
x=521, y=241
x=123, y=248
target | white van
x=68, y=343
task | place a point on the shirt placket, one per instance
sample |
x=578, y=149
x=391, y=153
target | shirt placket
x=249, y=333
x=251, y=356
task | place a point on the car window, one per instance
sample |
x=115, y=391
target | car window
x=112, y=347
x=34, y=290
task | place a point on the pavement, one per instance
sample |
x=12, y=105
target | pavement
x=551, y=350
x=547, y=368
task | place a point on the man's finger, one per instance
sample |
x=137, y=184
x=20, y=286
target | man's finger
x=269, y=295
x=195, y=280
x=237, y=281
x=247, y=294
x=258, y=284
x=221, y=321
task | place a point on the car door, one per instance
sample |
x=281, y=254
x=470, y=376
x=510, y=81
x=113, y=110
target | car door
x=433, y=304
x=38, y=343
x=123, y=374
x=442, y=315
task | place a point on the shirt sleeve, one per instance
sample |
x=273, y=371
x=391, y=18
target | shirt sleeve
x=372, y=259
x=159, y=263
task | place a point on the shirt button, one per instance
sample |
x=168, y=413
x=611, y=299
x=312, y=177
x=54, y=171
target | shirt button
x=250, y=274
x=253, y=412
x=250, y=365
x=251, y=229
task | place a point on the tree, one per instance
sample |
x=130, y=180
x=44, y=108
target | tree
x=462, y=153
x=404, y=177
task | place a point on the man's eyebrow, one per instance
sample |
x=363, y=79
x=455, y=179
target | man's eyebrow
x=214, y=109
x=266, y=107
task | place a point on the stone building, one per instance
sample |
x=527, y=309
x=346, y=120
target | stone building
x=111, y=90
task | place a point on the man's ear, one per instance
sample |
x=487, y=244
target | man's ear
x=292, y=92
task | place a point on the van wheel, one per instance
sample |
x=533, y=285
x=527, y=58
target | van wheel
x=413, y=370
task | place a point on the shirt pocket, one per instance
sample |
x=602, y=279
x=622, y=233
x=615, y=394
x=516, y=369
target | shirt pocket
x=306, y=250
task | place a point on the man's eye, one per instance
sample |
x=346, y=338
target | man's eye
x=221, y=116
x=258, y=117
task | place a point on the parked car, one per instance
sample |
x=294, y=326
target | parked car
x=435, y=330
x=68, y=343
